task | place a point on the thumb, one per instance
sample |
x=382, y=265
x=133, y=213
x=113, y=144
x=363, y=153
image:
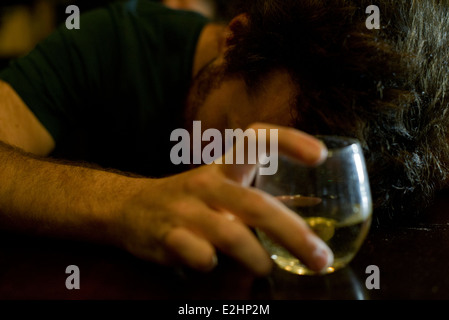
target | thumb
x=264, y=143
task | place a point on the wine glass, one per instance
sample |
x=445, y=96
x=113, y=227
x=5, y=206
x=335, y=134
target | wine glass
x=334, y=199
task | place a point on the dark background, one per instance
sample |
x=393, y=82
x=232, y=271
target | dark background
x=24, y=23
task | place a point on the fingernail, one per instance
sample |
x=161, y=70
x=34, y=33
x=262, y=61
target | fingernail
x=318, y=152
x=323, y=153
x=322, y=257
x=214, y=262
x=211, y=266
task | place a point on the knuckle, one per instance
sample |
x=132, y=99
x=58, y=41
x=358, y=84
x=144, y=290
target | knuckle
x=231, y=238
x=257, y=197
x=170, y=239
x=179, y=208
x=200, y=181
x=256, y=126
x=257, y=204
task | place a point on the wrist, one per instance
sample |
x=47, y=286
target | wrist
x=111, y=209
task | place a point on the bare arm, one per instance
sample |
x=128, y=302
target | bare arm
x=18, y=125
x=41, y=196
x=182, y=219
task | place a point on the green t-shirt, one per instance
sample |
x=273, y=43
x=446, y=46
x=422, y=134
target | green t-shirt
x=113, y=91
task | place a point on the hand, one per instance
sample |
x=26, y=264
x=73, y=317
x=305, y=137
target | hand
x=185, y=218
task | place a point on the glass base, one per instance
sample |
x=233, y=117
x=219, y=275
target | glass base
x=296, y=267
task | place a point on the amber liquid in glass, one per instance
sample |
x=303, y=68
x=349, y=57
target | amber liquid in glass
x=343, y=238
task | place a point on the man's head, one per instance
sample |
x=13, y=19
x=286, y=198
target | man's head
x=314, y=65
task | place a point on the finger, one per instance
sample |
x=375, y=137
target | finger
x=191, y=250
x=232, y=238
x=296, y=144
x=261, y=210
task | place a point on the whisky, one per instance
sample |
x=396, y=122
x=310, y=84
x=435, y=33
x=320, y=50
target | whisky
x=343, y=238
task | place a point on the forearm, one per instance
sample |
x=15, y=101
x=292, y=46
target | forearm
x=45, y=197
x=178, y=219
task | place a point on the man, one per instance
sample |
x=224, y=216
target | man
x=111, y=93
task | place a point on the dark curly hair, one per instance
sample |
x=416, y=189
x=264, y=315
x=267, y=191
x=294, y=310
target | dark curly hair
x=387, y=88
